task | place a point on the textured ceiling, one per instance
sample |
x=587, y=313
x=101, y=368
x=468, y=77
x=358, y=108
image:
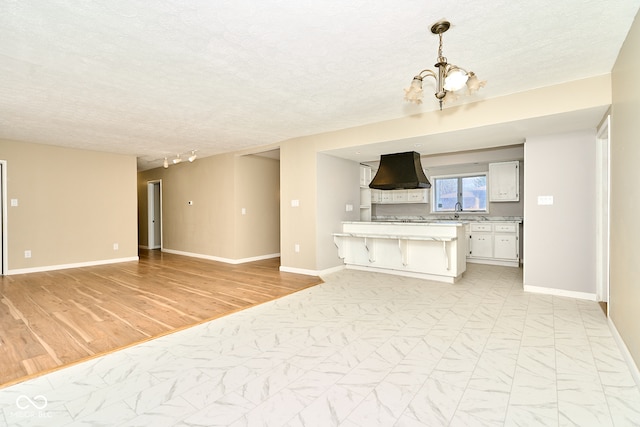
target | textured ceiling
x=156, y=78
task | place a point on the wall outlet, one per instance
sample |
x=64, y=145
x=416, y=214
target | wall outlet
x=243, y=211
x=349, y=208
x=27, y=254
x=14, y=202
x=296, y=247
x=115, y=247
x=295, y=203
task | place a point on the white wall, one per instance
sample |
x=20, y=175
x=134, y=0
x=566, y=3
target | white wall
x=338, y=185
x=559, y=239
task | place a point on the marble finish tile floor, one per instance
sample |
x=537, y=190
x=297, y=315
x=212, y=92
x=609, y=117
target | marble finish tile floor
x=362, y=349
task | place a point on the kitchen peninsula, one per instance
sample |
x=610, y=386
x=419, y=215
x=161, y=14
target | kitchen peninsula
x=433, y=250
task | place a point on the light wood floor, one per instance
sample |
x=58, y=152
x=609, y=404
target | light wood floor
x=52, y=319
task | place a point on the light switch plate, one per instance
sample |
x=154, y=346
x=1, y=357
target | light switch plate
x=14, y=202
x=545, y=200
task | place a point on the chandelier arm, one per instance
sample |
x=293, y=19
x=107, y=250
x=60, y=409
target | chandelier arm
x=426, y=73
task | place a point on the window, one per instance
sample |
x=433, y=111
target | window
x=470, y=191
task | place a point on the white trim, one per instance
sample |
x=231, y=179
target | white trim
x=221, y=259
x=503, y=263
x=603, y=209
x=299, y=271
x=4, y=267
x=318, y=273
x=635, y=372
x=74, y=265
x=331, y=270
x=143, y=247
x=560, y=292
x=151, y=185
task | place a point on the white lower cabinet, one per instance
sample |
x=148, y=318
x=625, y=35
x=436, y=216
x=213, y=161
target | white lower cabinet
x=481, y=245
x=505, y=247
x=494, y=243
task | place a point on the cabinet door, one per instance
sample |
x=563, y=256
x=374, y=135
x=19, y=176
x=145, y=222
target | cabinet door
x=375, y=196
x=504, y=182
x=505, y=246
x=399, y=196
x=386, y=196
x=418, y=195
x=365, y=176
x=481, y=245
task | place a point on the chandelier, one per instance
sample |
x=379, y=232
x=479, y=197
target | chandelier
x=449, y=78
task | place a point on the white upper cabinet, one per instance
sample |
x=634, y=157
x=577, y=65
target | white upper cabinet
x=365, y=176
x=504, y=181
x=414, y=195
x=365, y=193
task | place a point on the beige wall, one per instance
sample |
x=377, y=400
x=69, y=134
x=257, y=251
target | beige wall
x=625, y=194
x=298, y=181
x=258, y=192
x=213, y=225
x=73, y=205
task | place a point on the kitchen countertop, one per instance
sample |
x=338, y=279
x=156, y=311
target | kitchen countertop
x=464, y=218
x=442, y=222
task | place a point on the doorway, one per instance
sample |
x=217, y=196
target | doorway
x=154, y=210
x=602, y=213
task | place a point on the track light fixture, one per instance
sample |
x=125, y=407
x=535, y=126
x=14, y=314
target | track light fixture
x=178, y=159
x=449, y=78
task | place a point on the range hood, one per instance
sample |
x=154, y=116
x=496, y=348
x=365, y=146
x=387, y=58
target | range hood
x=400, y=170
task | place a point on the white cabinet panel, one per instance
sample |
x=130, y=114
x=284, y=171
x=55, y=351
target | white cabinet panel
x=504, y=181
x=386, y=197
x=365, y=193
x=482, y=245
x=418, y=195
x=482, y=227
x=414, y=195
x=505, y=246
x=399, y=196
x=365, y=176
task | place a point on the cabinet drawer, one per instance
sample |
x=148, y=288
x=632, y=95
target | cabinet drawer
x=481, y=227
x=505, y=228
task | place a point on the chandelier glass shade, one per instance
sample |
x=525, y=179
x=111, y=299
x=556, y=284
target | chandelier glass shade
x=450, y=79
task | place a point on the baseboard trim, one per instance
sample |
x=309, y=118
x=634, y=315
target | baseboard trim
x=635, y=372
x=328, y=271
x=221, y=259
x=560, y=292
x=299, y=271
x=73, y=265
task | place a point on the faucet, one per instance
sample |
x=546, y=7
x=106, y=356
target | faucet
x=458, y=209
